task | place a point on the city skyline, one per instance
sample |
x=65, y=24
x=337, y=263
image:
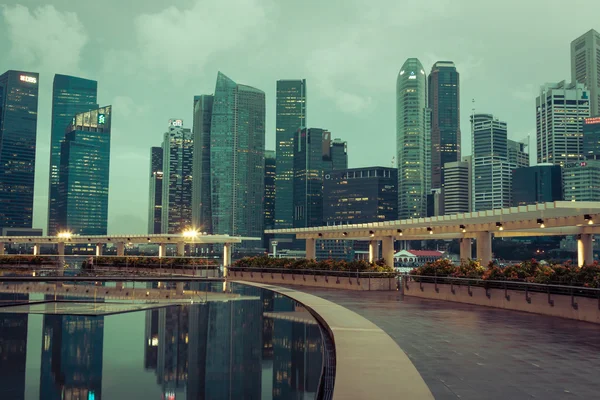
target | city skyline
x=348, y=110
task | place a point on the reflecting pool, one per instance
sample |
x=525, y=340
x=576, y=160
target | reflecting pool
x=157, y=340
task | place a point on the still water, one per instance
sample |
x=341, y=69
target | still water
x=237, y=342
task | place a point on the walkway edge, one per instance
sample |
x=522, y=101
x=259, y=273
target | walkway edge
x=369, y=363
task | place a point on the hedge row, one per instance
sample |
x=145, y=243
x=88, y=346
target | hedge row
x=26, y=260
x=527, y=271
x=149, y=262
x=304, y=264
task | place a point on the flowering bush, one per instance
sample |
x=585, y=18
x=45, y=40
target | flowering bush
x=304, y=264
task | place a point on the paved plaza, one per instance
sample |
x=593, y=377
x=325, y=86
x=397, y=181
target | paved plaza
x=473, y=352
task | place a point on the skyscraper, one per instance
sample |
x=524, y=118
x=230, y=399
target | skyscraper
x=18, y=128
x=413, y=140
x=201, y=212
x=270, y=173
x=237, y=158
x=178, y=152
x=536, y=184
x=581, y=181
x=290, y=116
x=560, y=112
x=82, y=199
x=156, y=186
x=444, y=102
x=585, y=66
x=457, y=186
x=70, y=96
x=591, y=138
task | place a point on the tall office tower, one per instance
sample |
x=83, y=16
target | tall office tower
x=237, y=158
x=339, y=154
x=537, y=184
x=591, y=138
x=201, y=212
x=270, y=173
x=457, y=186
x=178, y=153
x=585, y=66
x=83, y=174
x=581, y=181
x=560, y=111
x=518, y=157
x=491, y=167
x=18, y=129
x=156, y=186
x=413, y=140
x=290, y=116
x=444, y=102
x=70, y=96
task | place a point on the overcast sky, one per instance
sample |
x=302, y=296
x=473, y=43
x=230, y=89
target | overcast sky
x=151, y=59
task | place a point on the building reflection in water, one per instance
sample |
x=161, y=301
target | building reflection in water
x=13, y=350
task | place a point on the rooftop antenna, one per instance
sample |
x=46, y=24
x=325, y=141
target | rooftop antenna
x=393, y=161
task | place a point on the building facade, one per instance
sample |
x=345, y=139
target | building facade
x=591, y=138
x=290, y=116
x=178, y=152
x=70, y=96
x=560, y=111
x=457, y=190
x=156, y=186
x=237, y=159
x=270, y=194
x=84, y=174
x=585, y=66
x=413, y=140
x=537, y=184
x=18, y=132
x=201, y=198
x=581, y=181
x=444, y=102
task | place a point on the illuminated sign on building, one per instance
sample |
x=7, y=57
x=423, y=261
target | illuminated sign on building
x=28, y=79
x=578, y=164
x=101, y=119
x=175, y=122
x=412, y=75
x=593, y=120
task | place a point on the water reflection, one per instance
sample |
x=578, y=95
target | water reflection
x=13, y=350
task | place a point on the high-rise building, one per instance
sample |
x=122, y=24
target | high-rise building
x=444, y=102
x=585, y=66
x=237, y=158
x=270, y=173
x=581, y=181
x=413, y=140
x=156, y=185
x=178, y=152
x=457, y=190
x=84, y=173
x=201, y=212
x=537, y=184
x=518, y=157
x=18, y=129
x=290, y=116
x=560, y=111
x=591, y=138
x=70, y=96
x=339, y=154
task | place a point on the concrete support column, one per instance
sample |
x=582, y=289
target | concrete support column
x=179, y=287
x=311, y=250
x=36, y=249
x=180, y=249
x=61, y=248
x=162, y=250
x=484, y=247
x=387, y=248
x=120, y=249
x=466, y=252
x=1, y=249
x=226, y=258
x=585, y=249
x=98, y=249
x=373, y=250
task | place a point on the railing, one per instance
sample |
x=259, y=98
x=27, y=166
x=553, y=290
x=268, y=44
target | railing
x=317, y=272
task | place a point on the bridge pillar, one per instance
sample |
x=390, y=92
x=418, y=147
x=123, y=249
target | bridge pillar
x=466, y=252
x=61, y=248
x=387, y=248
x=98, y=249
x=162, y=250
x=120, y=249
x=311, y=250
x=179, y=288
x=36, y=249
x=180, y=249
x=585, y=249
x=226, y=258
x=484, y=247
x=373, y=250
x=1, y=249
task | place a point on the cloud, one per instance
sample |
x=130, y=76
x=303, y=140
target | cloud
x=44, y=38
x=526, y=93
x=127, y=107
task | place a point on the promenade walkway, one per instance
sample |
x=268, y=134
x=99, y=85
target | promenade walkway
x=472, y=352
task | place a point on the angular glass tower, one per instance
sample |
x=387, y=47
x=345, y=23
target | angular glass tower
x=290, y=116
x=585, y=66
x=444, y=102
x=18, y=130
x=413, y=141
x=237, y=158
x=84, y=173
x=201, y=211
x=70, y=96
x=156, y=185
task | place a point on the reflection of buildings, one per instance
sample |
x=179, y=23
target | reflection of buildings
x=151, y=342
x=173, y=340
x=13, y=350
x=71, y=365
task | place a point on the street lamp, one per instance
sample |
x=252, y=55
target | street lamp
x=190, y=233
x=65, y=235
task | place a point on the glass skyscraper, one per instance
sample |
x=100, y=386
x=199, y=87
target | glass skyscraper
x=585, y=66
x=70, y=96
x=591, y=138
x=237, y=158
x=84, y=174
x=178, y=152
x=290, y=116
x=201, y=212
x=270, y=171
x=156, y=185
x=18, y=129
x=413, y=140
x=444, y=102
